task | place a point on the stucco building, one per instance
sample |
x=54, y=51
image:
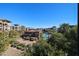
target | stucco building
x=5, y=25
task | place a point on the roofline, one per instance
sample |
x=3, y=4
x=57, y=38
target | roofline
x=5, y=20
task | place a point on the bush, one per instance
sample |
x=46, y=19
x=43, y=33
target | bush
x=4, y=41
x=18, y=45
x=57, y=40
x=13, y=34
x=41, y=48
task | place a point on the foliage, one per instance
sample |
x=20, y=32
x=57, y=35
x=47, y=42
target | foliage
x=13, y=34
x=53, y=29
x=58, y=42
x=57, y=39
x=4, y=41
x=6, y=38
x=63, y=41
x=64, y=28
x=41, y=48
x=70, y=33
x=18, y=45
x=73, y=39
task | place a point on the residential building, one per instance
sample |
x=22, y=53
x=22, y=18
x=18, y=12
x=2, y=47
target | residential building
x=32, y=34
x=18, y=27
x=5, y=25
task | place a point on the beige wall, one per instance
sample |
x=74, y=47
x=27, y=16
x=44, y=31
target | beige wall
x=5, y=26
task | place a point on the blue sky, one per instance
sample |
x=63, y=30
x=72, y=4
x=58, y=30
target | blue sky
x=39, y=15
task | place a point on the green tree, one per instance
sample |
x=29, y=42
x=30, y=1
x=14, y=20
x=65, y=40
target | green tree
x=63, y=42
x=64, y=28
x=58, y=41
x=70, y=33
x=73, y=39
x=53, y=29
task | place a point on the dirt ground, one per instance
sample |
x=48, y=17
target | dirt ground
x=15, y=52
x=26, y=42
x=12, y=52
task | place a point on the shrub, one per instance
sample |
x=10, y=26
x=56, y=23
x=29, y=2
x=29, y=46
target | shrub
x=13, y=34
x=4, y=41
x=41, y=48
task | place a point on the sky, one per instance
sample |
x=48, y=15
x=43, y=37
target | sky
x=39, y=15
